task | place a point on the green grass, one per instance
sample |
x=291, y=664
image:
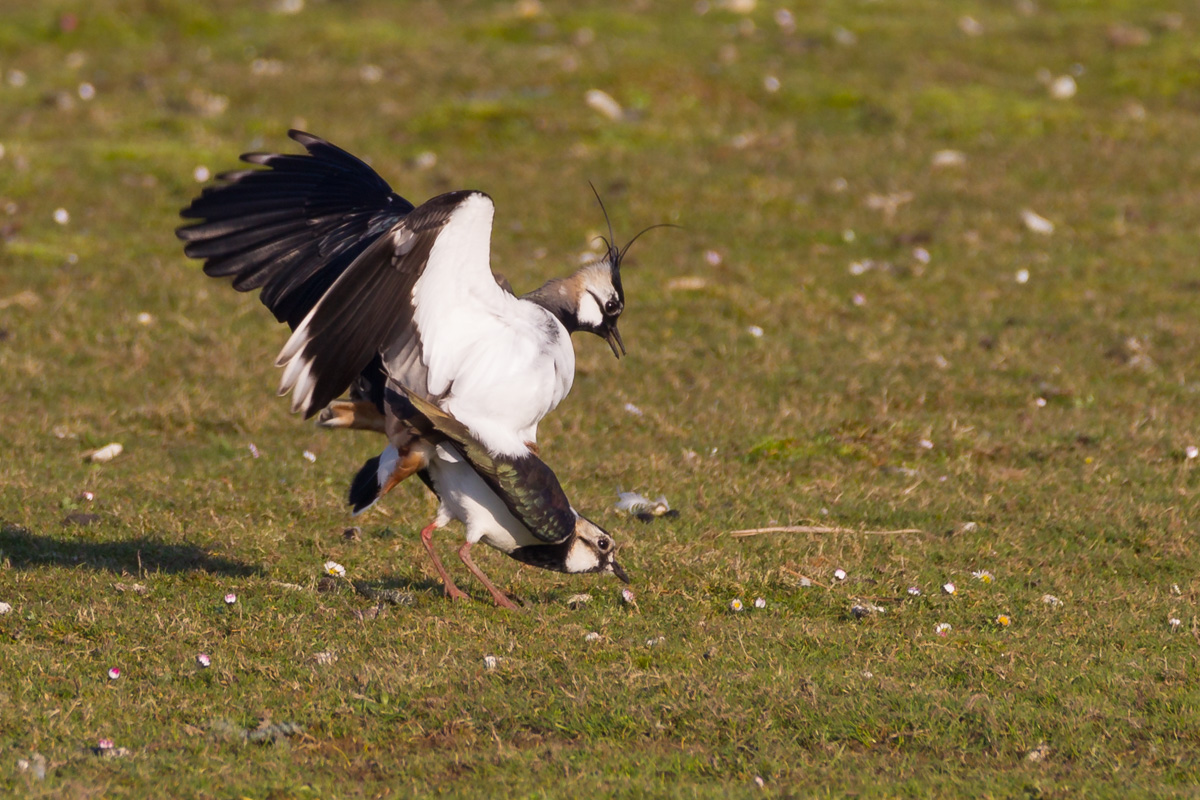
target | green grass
x=1089, y=497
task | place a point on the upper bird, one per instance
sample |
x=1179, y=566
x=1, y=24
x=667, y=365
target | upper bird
x=381, y=293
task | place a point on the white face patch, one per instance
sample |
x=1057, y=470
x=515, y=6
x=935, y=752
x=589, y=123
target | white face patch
x=589, y=313
x=581, y=558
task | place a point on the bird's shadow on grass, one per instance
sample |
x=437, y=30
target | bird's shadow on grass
x=27, y=550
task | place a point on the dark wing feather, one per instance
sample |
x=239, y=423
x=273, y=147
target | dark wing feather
x=528, y=487
x=291, y=229
x=368, y=307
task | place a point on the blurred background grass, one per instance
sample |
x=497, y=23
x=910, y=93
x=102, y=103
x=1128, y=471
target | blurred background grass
x=855, y=328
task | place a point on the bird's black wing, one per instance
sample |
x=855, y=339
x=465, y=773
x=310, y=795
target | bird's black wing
x=370, y=306
x=293, y=228
x=528, y=487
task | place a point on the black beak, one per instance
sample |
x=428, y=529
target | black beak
x=613, y=337
x=619, y=571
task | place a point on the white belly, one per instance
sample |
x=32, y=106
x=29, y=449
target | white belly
x=506, y=375
x=465, y=497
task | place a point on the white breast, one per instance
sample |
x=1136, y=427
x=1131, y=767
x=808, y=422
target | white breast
x=502, y=363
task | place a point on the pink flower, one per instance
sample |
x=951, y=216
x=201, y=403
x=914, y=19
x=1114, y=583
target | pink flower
x=114, y=673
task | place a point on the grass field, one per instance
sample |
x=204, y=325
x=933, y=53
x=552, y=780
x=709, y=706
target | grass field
x=926, y=359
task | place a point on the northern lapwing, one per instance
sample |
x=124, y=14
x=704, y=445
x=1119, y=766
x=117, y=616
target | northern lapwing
x=379, y=292
x=514, y=504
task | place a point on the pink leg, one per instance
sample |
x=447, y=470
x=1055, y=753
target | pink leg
x=464, y=553
x=452, y=591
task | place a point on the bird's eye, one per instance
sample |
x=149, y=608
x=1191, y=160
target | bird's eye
x=603, y=544
x=611, y=307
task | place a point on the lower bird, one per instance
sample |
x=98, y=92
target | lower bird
x=513, y=504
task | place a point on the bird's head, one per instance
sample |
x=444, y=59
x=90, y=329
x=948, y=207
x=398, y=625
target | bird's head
x=592, y=549
x=599, y=299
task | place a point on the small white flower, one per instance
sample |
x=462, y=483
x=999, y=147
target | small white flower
x=654, y=641
x=627, y=597
x=755, y=331
x=632, y=409
x=253, y=450
x=735, y=604
x=839, y=574
x=914, y=591
x=200, y=174
x=1051, y=600
x=760, y=602
x=114, y=673
x=490, y=662
x=62, y=216
x=1175, y=590
x=713, y=258
x=942, y=628
x=371, y=73
x=949, y=588
x=335, y=569
x=591, y=636
x=87, y=92
x=1192, y=451
x=1003, y=620
x=1040, y=402
x=983, y=576
x=5, y=608
x=310, y=456
x=203, y=660
x=145, y=318
x=805, y=582
x=104, y=744
x=925, y=444
x=1174, y=622
x=230, y=599
x=921, y=255
x=859, y=299
x=1022, y=276
x=771, y=84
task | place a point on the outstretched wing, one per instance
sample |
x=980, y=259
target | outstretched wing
x=526, y=484
x=376, y=299
x=291, y=229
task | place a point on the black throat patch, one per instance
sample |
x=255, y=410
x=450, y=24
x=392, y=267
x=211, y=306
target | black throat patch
x=545, y=556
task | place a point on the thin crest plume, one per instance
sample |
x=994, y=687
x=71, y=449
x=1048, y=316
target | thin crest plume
x=618, y=255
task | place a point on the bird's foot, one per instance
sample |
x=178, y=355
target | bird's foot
x=455, y=593
x=504, y=602
x=355, y=415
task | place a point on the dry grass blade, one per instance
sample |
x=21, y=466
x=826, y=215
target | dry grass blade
x=742, y=534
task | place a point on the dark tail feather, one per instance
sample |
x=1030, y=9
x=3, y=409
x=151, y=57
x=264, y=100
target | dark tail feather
x=364, y=489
